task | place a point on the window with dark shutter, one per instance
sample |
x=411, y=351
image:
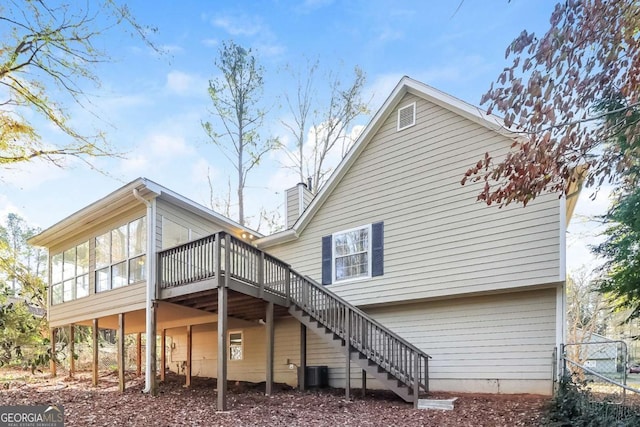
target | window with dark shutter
x=353, y=254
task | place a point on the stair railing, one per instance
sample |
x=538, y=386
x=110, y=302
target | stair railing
x=195, y=261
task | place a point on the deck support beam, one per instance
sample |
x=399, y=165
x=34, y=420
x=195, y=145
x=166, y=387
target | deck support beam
x=347, y=347
x=270, y=342
x=121, y=355
x=187, y=382
x=163, y=354
x=52, y=360
x=72, y=350
x=302, y=370
x=139, y=354
x=94, y=348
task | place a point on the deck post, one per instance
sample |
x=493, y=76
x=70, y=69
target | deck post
x=302, y=373
x=52, y=361
x=347, y=347
x=270, y=341
x=261, y=275
x=139, y=354
x=121, y=355
x=94, y=336
x=187, y=382
x=72, y=350
x=223, y=287
x=364, y=383
x=416, y=379
x=163, y=354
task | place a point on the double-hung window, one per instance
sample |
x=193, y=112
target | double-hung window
x=353, y=254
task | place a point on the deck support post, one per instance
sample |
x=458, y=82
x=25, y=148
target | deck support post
x=72, y=350
x=222, y=349
x=302, y=370
x=187, y=382
x=222, y=266
x=52, y=360
x=121, y=355
x=139, y=354
x=270, y=342
x=163, y=354
x=347, y=347
x=364, y=383
x=94, y=367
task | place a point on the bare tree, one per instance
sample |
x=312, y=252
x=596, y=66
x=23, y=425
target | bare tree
x=47, y=51
x=236, y=98
x=320, y=127
x=587, y=310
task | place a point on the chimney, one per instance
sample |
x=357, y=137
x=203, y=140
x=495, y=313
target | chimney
x=296, y=200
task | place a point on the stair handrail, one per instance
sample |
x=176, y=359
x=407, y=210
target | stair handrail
x=359, y=311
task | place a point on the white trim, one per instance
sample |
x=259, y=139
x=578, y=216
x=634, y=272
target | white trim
x=333, y=256
x=235, y=331
x=286, y=210
x=563, y=239
x=300, y=199
x=561, y=327
x=413, y=121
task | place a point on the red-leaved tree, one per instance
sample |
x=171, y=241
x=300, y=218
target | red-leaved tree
x=553, y=94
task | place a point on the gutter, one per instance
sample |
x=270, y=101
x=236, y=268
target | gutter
x=274, y=239
x=151, y=289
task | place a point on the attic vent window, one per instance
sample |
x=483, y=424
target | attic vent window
x=407, y=116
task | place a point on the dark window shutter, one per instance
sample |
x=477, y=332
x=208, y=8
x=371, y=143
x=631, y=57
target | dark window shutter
x=377, y=249
x=326, y=260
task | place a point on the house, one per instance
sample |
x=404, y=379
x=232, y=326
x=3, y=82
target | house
x=405, y=281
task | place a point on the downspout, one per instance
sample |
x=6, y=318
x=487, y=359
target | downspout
x=151, y=288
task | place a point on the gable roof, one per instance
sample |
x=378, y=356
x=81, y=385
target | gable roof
x=405, y=85
x=124, y=197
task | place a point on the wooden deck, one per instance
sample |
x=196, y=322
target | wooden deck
x=224, y=275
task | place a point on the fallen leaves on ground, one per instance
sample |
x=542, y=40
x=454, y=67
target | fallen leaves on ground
x=85, y=405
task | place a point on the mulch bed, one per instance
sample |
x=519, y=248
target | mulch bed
x=85, y=405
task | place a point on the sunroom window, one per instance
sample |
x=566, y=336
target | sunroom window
x=120, y=256
x=70, y=274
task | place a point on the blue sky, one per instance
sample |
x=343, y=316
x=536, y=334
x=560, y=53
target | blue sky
x=151, y=105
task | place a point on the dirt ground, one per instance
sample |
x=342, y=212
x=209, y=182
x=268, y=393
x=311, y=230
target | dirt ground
x=85, y=405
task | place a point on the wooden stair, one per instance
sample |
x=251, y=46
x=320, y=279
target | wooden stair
x=394, y=362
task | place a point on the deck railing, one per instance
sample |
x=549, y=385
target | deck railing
x=202, y=259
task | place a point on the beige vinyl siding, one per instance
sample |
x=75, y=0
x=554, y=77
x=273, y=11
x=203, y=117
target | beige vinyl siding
x=121, y=300
x=491, y=343
x=199, y=226
x=253, y=365
x=96, y=305
x=438, y=240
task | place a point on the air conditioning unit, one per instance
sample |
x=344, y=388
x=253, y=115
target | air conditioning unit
x=317, y=376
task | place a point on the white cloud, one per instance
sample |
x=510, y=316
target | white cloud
x=33, y=174
x=185, y=84
x=7, y=207
x=203, y=170
x=168, y=146
x=379, y=90
x=389, y=34
x=210, y=42
x=241, y=25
